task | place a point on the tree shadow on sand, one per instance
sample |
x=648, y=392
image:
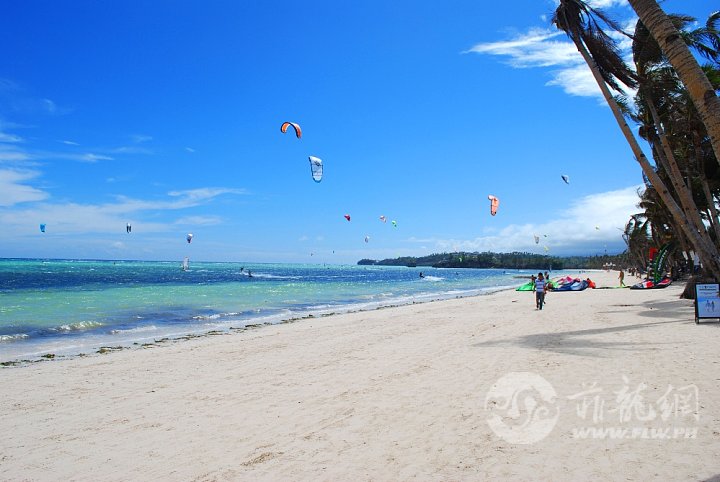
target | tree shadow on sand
x=578, y=342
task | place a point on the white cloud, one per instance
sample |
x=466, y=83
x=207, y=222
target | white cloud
x=90, y=157
x=70, y=217
x=572, y=233
x=577, y=80
x=204, y=194
x=140, y=138
x=8, y=85
x=10, y=138
x=183, y=199
x=199, y=220
x=10, y=154
x=13, y=190
x=70, y=143
x=130, y=150
x=49, y=106
x=536, y=48
x=544, y=47
x=607, y=3
x=67, y=218
x=602, y=4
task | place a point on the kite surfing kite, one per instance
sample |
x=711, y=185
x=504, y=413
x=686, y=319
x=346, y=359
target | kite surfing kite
x=537, y=238
x=383, y=219
x=128, y=228
x=367, y=239
x=298, y=131
x=316, y=168
x=42, y=228
x=494, y=203
x=189, y=238
x=394, y=223
x=566, y=179
x=347, y=216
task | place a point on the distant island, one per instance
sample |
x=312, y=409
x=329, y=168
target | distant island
x=515, y=260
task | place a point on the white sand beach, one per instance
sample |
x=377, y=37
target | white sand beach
x=393, y=394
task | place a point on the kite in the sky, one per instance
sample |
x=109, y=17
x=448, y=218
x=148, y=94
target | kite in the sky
x=347, y=216
x=128, y=227
x=597, y=228
x=367, y=239
x=189, y=238
x=494, y=203
x=42, y=228
x=316, y=168
x=285, y=125
x=565, y=178
x=537, y=238
x=394, y=223
x=383, y=219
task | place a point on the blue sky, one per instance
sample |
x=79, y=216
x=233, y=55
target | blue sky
x=167, y=115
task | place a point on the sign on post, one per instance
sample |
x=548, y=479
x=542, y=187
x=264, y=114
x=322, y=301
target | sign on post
x=707, y=301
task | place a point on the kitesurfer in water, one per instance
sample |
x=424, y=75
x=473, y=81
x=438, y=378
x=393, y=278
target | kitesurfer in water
x=421, y=274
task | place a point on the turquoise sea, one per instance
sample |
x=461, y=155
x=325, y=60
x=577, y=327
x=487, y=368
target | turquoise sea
x=71, y=307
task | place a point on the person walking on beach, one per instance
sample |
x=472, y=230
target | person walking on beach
x=621, y=277
x=540, y=289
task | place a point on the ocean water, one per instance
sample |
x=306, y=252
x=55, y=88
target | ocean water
x=71, y=307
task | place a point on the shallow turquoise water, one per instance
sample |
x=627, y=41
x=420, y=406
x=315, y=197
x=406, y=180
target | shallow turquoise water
x=69, y=307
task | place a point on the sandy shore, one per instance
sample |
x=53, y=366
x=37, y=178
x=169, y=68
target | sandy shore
x=413, y=392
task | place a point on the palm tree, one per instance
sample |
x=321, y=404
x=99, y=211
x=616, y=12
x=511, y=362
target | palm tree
x=637, y=238
x=660, y=88
x=583, y=25
x=670, y=122
x=678, y=54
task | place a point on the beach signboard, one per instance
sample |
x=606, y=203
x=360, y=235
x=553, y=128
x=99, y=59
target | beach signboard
x=707, y=301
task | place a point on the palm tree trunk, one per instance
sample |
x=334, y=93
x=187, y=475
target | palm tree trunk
x=700, y=239
x=676, y=50
x=700, y=166
x=665, y=153
x=712, y=212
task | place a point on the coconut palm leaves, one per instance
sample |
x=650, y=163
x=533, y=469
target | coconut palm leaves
x=583, y=25
x=678, y=54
